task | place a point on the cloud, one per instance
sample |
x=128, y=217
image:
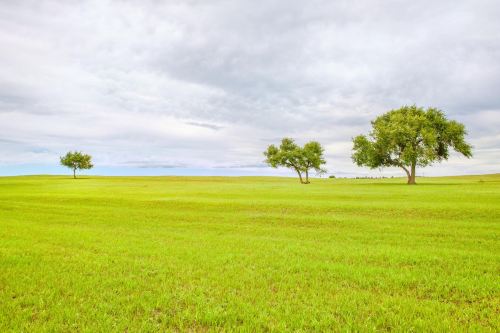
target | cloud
x=210, y=84
x=243, y=166
x=205, y=125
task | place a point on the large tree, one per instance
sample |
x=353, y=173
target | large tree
x=409, y=137
x=76, y=161
x=300, y=159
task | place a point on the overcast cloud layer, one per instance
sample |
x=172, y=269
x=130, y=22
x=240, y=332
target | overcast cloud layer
x=209, y=84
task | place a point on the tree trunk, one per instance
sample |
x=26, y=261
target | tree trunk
x=307, y=177
x=74, y=173
x=300, y=176
x=411, y=177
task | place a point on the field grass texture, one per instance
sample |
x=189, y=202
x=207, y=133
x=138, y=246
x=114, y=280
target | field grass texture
x=118, y=254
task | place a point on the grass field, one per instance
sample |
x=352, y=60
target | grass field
x=102, y=254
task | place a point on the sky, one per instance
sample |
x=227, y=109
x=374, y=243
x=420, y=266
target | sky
x=203, y=87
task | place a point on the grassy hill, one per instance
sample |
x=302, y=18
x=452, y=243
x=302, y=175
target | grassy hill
x=249, y=254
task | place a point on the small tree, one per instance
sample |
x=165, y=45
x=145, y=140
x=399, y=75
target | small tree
x=300, y=159
x=76, y=160
x=409, y=137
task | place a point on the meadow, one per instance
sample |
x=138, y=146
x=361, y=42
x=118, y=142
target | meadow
x=130, y=254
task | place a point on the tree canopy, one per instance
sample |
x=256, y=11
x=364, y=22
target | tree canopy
x=300, y=159
x=76, y=161
x=409, y=137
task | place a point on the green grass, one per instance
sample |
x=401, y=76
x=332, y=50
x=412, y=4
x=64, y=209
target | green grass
x=102, y=254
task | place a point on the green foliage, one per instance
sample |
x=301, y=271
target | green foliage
x=300, y=159
x=249, y=254
x=76, y=161
x=409, y=137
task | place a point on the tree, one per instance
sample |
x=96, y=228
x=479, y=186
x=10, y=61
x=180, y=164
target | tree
x=76, y=160
x=409, y=137
x=300, y=159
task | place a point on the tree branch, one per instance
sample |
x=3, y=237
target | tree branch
x=405, y=169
